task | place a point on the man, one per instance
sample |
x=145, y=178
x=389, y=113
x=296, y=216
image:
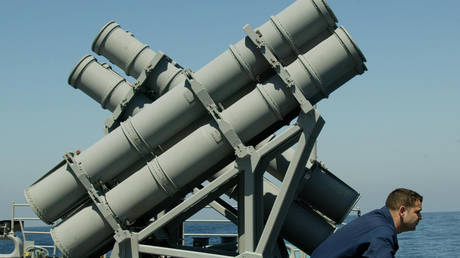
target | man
x=374, y=234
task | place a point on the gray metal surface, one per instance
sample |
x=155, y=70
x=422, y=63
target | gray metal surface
x=102, y=84
x=134, y=57
x=306, y=235
x=319, y=188
x=314, y=228
x=199, y=122
x=177, y=253
x=178, y=108
x=311, y=124
x=142, y=191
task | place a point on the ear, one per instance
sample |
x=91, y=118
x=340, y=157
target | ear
x=402, y=210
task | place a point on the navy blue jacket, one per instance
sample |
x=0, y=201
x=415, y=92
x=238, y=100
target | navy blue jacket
x=372, y=235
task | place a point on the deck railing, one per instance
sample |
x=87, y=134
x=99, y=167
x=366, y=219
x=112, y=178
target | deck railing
x=29, y=232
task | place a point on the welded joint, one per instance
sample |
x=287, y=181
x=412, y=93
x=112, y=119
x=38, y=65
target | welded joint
x=122, y=235
x=127, y=245
x=245, y=152
x=310, y=120
x=248, y=159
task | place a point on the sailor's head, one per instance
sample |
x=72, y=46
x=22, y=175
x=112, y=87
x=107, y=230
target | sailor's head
x=405, y=206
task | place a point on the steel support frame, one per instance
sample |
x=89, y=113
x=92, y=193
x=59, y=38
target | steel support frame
x=250, y=203
x=225, y=209
x=131, y=247
x=250, y=188
x=201, y=198
x=177, y=252
x=311, y=124
x=209, y=193
x=250, y=200
x=254, y=239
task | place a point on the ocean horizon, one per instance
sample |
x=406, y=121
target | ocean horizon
x=436, y=236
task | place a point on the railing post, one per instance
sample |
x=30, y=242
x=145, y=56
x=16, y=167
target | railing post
x=12, y=217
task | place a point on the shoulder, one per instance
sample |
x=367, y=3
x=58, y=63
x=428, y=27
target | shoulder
x=381, y=217
x=373, y=219
x=383, y=230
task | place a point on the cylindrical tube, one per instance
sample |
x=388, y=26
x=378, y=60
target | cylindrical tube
x=205, y=147
x=328, y=194
x=103, y=85
x=306, y=235
x=319, y=188
x=121, y=48
x=169, y=114
x=133, y=57
x=293, y=27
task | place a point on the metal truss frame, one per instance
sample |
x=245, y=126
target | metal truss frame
x=256, y=237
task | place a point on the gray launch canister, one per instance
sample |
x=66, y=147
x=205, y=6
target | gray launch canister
x=317, y=73
x=57, y=193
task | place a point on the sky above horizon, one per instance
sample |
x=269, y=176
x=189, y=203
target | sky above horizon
x=397, y=125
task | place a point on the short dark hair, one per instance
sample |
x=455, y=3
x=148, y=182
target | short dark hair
x=402, y=196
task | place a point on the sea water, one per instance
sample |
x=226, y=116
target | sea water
x=437, y=235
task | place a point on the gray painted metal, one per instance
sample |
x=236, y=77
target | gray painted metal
x=134, y=57
x=223, y=208
x=179, y=253
x=250, y=201
x=314, y=227
x=128, y=248
x=177, y=109
x=109, y=89
x=97, y=199
x=103, y=84
x=311, y=16
x=142, y=191
x=108, y=83
x=200, y=195
x=306, y=235
x=319, y=188
x=311, y=124
x=210, y=188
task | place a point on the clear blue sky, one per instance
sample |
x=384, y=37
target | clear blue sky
x=398, y=125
